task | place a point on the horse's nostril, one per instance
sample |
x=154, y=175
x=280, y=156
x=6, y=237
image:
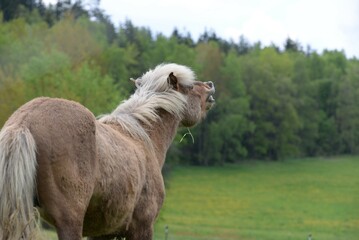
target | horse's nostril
x=211, y=86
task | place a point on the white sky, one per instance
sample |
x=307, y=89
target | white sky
x=323, y=24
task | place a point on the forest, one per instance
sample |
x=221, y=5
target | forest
x=272, y=102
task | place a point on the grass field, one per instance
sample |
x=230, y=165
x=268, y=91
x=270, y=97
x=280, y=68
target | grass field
x=264, y=200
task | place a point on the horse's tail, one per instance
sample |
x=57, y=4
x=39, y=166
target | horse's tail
x=17, y=183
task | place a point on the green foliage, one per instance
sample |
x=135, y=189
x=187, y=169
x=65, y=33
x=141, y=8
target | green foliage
x=270, y=103
x=52, y=76
x=11, y=96
x=116, y=62
x=347, y=112
x=169, y=50
x=267, y=76
x=59, y=61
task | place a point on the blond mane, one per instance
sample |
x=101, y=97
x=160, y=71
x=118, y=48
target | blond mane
x=153, y=92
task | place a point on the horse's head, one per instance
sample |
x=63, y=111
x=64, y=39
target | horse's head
x=199, y=97
x=173, y=87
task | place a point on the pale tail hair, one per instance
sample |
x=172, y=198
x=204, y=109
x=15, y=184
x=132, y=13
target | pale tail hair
x=17, y=183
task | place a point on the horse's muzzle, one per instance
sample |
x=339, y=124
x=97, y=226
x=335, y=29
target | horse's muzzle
x=211, y=92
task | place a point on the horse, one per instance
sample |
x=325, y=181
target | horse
x=96, y=177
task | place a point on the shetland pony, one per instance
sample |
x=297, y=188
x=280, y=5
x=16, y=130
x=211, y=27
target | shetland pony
x=99, y=178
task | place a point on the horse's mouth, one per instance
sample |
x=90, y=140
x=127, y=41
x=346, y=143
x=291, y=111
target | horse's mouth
x=210, y=102
x=210, y=99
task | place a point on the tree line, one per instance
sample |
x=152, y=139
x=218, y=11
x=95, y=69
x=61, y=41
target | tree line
x=273, y=102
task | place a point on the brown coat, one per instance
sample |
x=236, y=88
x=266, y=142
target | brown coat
x=98, y=178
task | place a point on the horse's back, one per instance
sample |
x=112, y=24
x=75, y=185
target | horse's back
x=47, y=111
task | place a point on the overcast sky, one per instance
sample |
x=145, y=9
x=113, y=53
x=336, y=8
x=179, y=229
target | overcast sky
x=330, y=24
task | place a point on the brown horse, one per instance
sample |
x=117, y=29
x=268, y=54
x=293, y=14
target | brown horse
x=97, y=178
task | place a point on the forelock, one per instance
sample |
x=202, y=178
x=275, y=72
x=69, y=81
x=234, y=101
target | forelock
x=156, y=79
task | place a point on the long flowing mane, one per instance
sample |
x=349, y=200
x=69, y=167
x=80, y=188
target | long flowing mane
x=153, y=92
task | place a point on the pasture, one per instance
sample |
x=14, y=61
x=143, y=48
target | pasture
x=264, y=200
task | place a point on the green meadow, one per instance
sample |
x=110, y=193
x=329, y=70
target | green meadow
x=264, y=200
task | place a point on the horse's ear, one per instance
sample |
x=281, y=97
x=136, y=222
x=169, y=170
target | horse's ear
x=136, y=82
x=172, y=81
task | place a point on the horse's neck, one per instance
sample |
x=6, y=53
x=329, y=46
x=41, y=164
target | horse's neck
x=162, y=134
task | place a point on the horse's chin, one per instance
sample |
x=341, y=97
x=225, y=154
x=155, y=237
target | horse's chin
x=193, y=121
x=209, y=105
x=188, y=124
